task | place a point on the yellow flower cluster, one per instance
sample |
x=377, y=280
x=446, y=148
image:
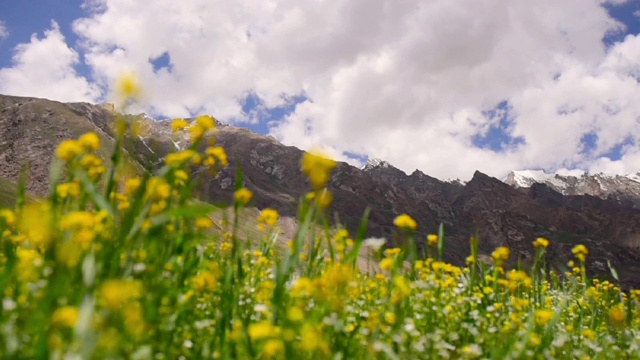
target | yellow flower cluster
x=405, y=222
x=580, y=252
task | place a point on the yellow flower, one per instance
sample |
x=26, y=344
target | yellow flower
x=69, y=149
x=90, y=141
x=9, y=216
x=206, y=122
x=432, y=239
x=76, y=220
x=205, y=280
x=272, y=348
x=178, y=125
x=500, y=255
x=68, y=189
x=405, y=221
x=541, y=243
x=262, y=330
x=324, y=198
x=65, y=316
x=218, y=152
x=180, y=158
x=317, y=168
x=589, y=334
x=617, y=315
x=128, y=87
x=117, y=292
x=158, y=189
x=268, y=216
x=204, y=222
x=543, y=316
x=243, y=196
x=132, y=185
x=387, y=264
x=580, y=252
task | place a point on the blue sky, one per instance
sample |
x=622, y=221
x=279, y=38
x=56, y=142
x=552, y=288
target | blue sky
x=404, y=84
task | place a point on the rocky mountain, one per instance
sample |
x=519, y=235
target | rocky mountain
x=498, y=213
x=621, y=188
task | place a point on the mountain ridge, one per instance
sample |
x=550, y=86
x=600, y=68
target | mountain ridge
x=501, y=215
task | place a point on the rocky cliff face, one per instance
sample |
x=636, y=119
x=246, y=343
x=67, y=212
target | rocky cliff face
x=498, y=213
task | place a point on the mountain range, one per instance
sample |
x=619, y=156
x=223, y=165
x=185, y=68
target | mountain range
x=598, y=211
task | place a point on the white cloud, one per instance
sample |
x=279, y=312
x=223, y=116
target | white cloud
x=407, y=81
x=4, y=32
x=45, y=68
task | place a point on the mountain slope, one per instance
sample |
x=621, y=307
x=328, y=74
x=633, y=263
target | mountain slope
x=497, y=212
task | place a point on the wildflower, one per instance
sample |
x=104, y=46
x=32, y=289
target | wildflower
x=617, y=315
x=272, y=348
x=324, y=198
x=179, y=158
x=406, y=222
x=471, y=351
x=375, y=244
x=204, y=222
x=76, y=220
x=541, y=243
x=500, y=255
x=580, y=252
x=219, y=153
x=543, y=316
x=206, y=122
x=68, y=189
x=69, y=149
x=178, y=125
x=432, y=239
x=387, y=264
x=9, y=216
x=128, y=87
x=317, y=168
x=268, y=216
x=589, y=334
x=262, y=330
x=65, y=316
x=132, y=185
x=90, y=141
x=117, y=292
x=205, y=280
x=158, y=189
x=243, y=196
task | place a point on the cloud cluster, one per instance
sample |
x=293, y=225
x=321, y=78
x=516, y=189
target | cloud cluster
x=408, y=81
x=45, y=67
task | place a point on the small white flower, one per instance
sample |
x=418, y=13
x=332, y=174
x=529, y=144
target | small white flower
x=375, y=243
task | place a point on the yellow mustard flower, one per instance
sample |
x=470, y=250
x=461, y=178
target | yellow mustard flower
x=263, y=330
x=69, y=149
x=178, y=125
x=580, y=252
x=115, y=293
x=90, y=141
x=432, y=239
x=128, y=87
x=65, y=316
x=543, y=316
x=617, y=315
x=405, y=221
x=317, y=168
x=500, y=255
x=541, y=243
x=204, y=222
x=268, y=217
x=243, y=196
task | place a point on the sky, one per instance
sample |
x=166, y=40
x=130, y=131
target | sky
x=444, y=86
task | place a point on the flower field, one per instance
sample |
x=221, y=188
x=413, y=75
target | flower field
x=114, y=266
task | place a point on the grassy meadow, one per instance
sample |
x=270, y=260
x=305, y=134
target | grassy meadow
x=117, y=266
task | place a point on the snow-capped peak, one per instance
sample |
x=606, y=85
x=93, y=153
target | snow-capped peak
x=376, y=163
